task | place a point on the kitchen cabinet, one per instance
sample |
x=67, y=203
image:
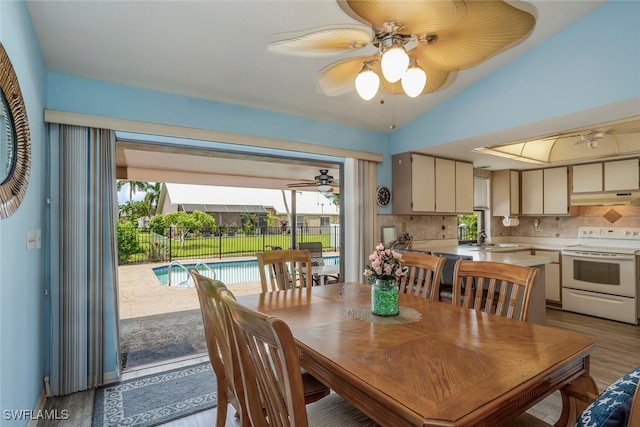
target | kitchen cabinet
x=532, y=199
x=429, y=185
x=445, y=185
x=555, y=191
x=552, y=276
x=505, y=193
x=621, y=175
x=586, y=178
x=545, y=191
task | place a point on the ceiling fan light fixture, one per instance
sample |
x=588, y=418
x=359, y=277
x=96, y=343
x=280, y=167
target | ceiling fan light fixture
x=325, y=188
x=414, y=80
x=394, y=61
x=367, y=83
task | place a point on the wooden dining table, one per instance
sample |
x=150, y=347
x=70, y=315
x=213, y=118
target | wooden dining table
x=432, y=365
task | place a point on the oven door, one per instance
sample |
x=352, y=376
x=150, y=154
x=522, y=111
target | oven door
x=609, y=274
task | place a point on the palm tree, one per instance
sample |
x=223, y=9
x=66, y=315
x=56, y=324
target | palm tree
x=134, y=187
x=153, y=194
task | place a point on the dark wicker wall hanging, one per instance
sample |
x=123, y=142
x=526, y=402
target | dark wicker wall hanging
x=16, y=149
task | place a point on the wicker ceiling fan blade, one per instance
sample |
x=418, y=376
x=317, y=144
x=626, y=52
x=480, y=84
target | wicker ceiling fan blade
x=486, y=29
x=416, y=16
x=437, y=78
x=339, y=77
x=321, y=41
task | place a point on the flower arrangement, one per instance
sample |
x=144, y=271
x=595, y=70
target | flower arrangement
x=385, y=265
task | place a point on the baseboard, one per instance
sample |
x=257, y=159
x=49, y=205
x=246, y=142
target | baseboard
x=111, y=377
x=33, y=421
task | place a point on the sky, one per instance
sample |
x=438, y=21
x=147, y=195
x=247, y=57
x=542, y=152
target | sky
x=123, y=195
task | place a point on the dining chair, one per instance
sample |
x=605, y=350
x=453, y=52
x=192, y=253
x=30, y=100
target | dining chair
x=217, y=331
x=494, y=287
x=618, y=405
x=423, y=275
x=270, y=364
x=284, y=269
x=218, y=328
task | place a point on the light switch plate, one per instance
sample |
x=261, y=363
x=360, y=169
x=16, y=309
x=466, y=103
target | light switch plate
x=31, y=240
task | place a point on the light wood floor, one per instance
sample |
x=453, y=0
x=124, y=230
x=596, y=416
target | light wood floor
x=618, y=352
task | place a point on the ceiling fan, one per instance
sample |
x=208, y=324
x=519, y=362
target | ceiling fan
x=323, y=182
x=419, y=44
x=591, y=137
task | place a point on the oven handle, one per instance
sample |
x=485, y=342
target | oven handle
x=597, y=255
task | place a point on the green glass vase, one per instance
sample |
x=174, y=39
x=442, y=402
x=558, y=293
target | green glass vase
x=384, y=298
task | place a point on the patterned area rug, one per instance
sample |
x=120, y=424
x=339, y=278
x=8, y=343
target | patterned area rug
x=155, y=399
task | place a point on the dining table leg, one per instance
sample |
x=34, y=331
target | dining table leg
x=576, y=396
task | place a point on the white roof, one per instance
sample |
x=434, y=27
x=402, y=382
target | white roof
x=307, y=202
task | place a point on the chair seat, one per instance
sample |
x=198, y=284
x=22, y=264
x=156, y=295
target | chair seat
x=334, y=411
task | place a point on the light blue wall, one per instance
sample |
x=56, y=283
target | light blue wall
x=21, y=271
x=592, y=64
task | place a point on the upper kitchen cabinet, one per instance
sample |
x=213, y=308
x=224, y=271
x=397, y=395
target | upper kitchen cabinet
x=425, y=184
x=545, y=191
x=505, y=193
x=621, y=175
x=586, y=178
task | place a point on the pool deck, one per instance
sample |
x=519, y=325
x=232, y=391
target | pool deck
x=141, y=294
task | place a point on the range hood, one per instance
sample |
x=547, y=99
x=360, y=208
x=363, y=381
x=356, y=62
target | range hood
x=600, y=199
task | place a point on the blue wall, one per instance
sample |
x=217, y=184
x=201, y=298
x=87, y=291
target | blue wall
x=22, y=320
x=592, y=64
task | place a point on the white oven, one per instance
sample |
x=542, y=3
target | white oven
x=599, y=276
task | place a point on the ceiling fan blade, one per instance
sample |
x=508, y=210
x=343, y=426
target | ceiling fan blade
x=321, y=41
x=339, y=77
x=302, y=184
x=622, y=131
x=437, y=78
x=418, y=16
x=484, y=30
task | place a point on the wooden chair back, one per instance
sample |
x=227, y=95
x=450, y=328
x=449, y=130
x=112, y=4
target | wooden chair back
x=494, y=287
x=274, y=392
x=634, y=416
x=284, y=269
x=423, y=275
x=220, y=346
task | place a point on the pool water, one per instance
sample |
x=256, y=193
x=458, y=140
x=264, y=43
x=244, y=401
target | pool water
x=228, y=272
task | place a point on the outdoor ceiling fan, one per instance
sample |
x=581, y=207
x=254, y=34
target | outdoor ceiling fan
x=419, y=44
x=323, y=182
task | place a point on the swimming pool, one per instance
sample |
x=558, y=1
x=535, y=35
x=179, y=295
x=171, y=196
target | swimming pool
x=228, y=272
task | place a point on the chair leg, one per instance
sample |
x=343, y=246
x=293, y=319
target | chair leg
x=223, y=403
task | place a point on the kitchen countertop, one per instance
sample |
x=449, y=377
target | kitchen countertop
x=517, y=255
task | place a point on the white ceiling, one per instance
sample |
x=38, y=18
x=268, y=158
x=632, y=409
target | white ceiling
x=216, y=50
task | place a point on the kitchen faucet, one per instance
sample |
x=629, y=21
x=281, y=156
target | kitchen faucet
x=482, y=237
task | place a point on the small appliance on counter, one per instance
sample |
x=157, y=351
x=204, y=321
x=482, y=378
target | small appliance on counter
x=600, y=275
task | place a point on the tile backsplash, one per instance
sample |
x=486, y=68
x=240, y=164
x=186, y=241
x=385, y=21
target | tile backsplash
x=567, y=226
x=439, y=227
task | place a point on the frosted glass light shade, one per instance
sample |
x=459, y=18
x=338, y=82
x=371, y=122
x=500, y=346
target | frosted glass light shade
x=413, y=81
x=325, y=188
x=394, y=63
x=367, y=84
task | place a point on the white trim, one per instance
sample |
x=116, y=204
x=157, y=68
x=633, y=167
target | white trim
x=111, y=377
x=33, y=421
x=124, y=125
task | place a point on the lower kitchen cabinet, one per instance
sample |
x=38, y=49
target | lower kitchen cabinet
x=551, y=275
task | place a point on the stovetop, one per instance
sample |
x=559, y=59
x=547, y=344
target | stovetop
x=621, y=240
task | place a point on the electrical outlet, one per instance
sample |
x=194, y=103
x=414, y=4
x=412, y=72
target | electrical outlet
x=450, y=230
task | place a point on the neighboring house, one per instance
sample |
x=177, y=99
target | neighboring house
x=226, y=204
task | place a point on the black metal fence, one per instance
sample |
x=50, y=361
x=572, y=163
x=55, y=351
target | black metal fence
x=467, y=234
x=179, y=243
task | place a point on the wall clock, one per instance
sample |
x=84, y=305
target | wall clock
x=383, y=196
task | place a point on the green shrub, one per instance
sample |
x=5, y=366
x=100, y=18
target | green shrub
x=127, y=240
x=157, y=251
